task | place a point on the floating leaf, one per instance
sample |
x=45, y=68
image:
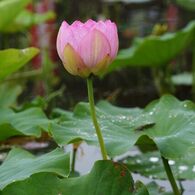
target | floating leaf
x=150, y=165
x=154, y=189
x=106, y=177
x=28, y=122
x=173, y=132
x=20, y=165
x=13, y=59
x=140, y=189
x=154, y=51
x=117, y=125
x=168, y=122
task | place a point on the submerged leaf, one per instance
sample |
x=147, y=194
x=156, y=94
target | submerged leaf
x=150, y=165
x=154, y=189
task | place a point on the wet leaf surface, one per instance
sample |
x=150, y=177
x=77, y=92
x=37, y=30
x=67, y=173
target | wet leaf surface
x=168, y=122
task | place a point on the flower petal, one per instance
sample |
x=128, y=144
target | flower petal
x=65, y=35
x=101, y=67
x=93, y=48
x=89, y=24
x=59, y=42
x=109, y=29
x=73, y=62
x=77, y=23
x=78, y=32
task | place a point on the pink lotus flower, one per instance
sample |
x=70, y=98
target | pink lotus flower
x=87, y=48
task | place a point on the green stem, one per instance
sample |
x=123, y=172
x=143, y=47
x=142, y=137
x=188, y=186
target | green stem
x=73, y=159
x=162, y=79
x=181, y=187
x=193, y=74
x=157, y=81
x=94, y=118
x=170, y=176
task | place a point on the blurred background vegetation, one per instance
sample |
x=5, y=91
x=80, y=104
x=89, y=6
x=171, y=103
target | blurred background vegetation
x=135, y=85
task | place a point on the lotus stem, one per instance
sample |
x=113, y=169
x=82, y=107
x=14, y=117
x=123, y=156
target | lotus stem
x=94, y=118
x=193, y=73
x=73, y=158
x=170, y=176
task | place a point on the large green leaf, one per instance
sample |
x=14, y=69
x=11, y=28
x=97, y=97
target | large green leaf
x=168, y=122
x=150, y=165
x=9, y=9
x=28, y=122
x=20, y=165
x=13, y=59
x=106, y=178
x=117, y=125
x=173, y=131
x=9, y=94
x=154, y=51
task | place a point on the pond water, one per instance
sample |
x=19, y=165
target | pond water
x=87, y=155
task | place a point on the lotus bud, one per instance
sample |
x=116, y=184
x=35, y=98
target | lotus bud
x=87, y=48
